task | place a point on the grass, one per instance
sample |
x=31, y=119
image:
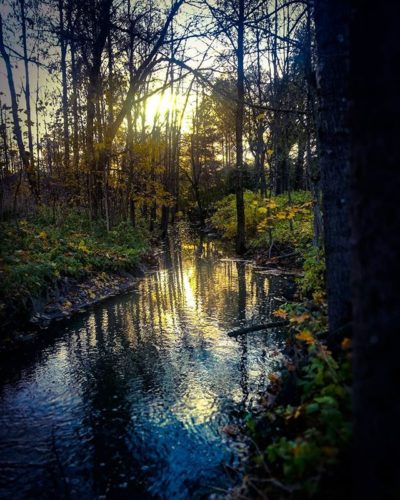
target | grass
x=35, y=252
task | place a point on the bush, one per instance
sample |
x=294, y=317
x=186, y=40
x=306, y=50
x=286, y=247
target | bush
x=313, y=281
x=287, y=222
x=302, y=438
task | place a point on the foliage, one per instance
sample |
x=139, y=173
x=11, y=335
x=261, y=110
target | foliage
x=288, y=222
x=312, y=284
x=304, y=434
x=225, y=218
x=34, y=253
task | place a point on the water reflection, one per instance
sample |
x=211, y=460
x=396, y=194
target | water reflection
x=129, y=400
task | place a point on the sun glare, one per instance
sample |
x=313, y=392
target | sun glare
x=159, y=104
x=163, y=103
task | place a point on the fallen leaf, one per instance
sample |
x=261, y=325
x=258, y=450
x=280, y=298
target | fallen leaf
x=306, y=336
x=280, y=313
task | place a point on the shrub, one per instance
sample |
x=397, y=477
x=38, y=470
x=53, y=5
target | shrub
x=287, y=222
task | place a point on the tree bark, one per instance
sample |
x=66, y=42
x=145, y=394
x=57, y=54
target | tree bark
x=27, y=83
x=375, y=190
x=63, y=49
x=334, y=148
x=240, y=232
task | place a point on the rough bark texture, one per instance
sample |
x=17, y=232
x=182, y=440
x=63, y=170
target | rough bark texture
x=375, y=51
x=331, y=19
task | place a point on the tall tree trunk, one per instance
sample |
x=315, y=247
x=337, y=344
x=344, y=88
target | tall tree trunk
x=27, y=83
x=313, y=173
x=24, y=155
x=90, y=141
x=334, y=148
x=375, y=190
x=74, y=82
x=240, y=231
x=97, y=159
x=298, y=181
x=63, y=48
x=260, y=127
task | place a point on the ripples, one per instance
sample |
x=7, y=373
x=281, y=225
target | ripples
x=132, y=398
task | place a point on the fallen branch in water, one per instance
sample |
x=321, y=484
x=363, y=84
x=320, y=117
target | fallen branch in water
x=285, y=255
x=256, y=328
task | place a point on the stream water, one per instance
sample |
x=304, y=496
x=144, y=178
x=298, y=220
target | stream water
x=132, y=398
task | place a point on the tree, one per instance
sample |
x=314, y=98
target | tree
x=376, y=248
x=240, y=234
x=24, y=155
x=334, y=155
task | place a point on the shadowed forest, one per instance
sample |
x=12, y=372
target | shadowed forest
x=199, y=233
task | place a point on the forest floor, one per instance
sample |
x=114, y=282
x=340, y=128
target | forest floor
x=51, y=269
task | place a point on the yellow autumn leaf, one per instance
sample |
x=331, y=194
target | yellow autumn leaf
x=298, y=411
x=301, y=318
x=306, y=336
x=346, y=344
x=82, y=247
x=280, y=313
x=319, y=297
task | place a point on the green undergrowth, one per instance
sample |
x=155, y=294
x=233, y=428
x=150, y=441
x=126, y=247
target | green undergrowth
x=301, y=428
x=36, y=251
x=277, y=220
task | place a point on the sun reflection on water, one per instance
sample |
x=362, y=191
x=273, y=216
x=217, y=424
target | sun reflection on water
x=148, y=380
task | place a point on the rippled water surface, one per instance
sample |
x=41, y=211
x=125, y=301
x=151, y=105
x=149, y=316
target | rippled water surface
x=130, y=400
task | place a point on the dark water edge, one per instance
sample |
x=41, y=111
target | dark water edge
x=131, y=399
x=27, y=323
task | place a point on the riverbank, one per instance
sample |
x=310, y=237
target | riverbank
x=52, y=268
x=65, y=298
x=300, y=427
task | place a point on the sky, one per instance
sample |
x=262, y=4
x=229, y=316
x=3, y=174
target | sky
x=200, y=51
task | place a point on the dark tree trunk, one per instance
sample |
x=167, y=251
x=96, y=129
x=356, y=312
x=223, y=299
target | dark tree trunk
x=164, y=221
x=132, y=212
x=75, y=118
x=27, y=83
x=334, y=143
x=376, y=248
x=298, y=181
x=240, y=234
x=260, y=128
x=100, y=22
x=63, y=49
